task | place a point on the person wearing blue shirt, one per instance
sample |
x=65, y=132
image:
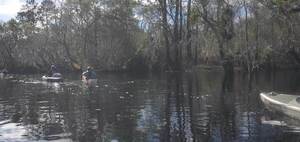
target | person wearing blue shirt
x=89, y=73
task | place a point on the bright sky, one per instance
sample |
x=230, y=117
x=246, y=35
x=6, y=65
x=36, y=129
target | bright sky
x=9, y=8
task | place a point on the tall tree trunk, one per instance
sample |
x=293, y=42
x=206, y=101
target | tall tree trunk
x=181, y=20
x=196, y=47
x=94, y=56
x=74, y=62
x=180, y=32
x=163, y=4
x=176, y=35
x=189, y=35
x=249, y=59
x=256, y=37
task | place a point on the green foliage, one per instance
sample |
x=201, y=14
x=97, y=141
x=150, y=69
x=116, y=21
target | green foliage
x=194, y=16
x=283, y=2
x=116, y=34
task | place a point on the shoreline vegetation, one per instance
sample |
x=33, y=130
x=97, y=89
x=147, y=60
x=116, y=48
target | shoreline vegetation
x=142, y=36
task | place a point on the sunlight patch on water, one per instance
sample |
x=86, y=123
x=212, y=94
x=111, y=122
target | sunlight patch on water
x=12, y=132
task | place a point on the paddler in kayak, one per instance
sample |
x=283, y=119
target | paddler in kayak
x=53, y=72
x=53, y=75
x=89, y=73
x=3, y=73
x=89, y=76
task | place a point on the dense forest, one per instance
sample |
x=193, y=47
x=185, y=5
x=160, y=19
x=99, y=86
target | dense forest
x=126, y=35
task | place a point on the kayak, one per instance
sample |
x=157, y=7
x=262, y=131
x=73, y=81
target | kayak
x=2, y=75
x=6, y=76
x=282, y=103
x=89, y=82
x=52, y=79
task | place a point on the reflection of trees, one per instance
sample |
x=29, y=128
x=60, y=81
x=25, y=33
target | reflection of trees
x=32, y=108
x=43, y=119
x=6, y=108
x=175, y=116
x=167, y=130
x=78, y=120
x=227, y=109
x=192, y=106
x=181, y=123
x=180, y=110
x=200, y=115
x=20, y=106
x=227, y=113
x=191, y=115
x=104, y=114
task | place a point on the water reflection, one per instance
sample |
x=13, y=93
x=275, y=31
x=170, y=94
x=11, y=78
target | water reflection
x=204, y=105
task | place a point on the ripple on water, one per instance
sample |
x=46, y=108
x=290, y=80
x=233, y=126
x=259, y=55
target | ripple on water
x=128, y=109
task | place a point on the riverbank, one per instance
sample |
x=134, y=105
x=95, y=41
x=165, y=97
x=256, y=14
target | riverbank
x=143, y=68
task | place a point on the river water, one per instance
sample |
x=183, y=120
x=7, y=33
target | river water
x=194, y=106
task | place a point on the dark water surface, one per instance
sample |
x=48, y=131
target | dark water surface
x=197, y=106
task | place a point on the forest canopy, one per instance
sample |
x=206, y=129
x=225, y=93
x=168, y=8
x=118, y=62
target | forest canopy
x=117, y=35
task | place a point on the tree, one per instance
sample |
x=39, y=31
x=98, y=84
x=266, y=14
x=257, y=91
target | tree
x=221, y=23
